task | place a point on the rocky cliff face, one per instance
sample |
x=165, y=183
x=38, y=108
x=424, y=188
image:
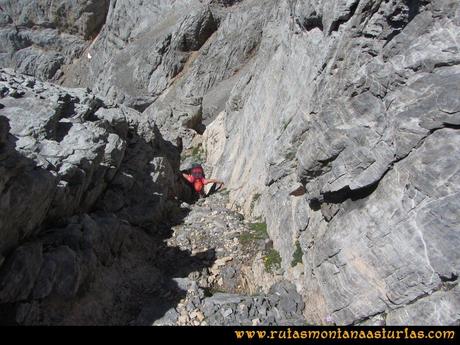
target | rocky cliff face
x=335, y=122
x=40, y=37
x=79, y=182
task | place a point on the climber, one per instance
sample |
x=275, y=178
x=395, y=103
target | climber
x=197, y=180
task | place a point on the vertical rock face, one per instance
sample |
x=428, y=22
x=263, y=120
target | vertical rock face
x=142, y=49
x=335, y=121
x=354, y=101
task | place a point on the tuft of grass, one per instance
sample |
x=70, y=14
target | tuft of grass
x=297, y=255
x=196, y=151
x=258, y=231
x=246, y=238
x=272, y=260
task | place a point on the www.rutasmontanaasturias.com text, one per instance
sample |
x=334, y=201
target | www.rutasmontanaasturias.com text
x=339, y=333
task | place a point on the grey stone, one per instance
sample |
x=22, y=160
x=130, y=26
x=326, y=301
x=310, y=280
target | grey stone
x=222, y=298
x=183, y=283
x=226, y=312
x=169, y=319
x=440, y=308
x=28, y=313
x=18, y=274
x=45, y=280
x=67, y=275
x=64, y=164
x=39, y=42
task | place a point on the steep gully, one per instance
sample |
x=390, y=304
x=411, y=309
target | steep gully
x=169, y=262
x=122, y=257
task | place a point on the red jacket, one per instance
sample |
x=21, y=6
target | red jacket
x=198, y=183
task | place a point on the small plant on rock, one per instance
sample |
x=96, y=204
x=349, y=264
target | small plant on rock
x=272, y=260
x=297, y=255
x=196, y=153
x=258, y=231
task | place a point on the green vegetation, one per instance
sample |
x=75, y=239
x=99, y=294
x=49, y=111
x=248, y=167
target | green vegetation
x=297, y=256
x=246, y=238
x=196, y=153
x=258, y=231
x=272, y=260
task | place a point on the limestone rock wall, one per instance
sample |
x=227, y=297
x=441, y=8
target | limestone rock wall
x=353, y=104
x=336, y=122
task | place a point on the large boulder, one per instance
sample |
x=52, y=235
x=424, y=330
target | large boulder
x=59, y=157
x=76, y=177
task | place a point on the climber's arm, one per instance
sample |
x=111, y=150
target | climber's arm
x=188, y=177
x=214, y=181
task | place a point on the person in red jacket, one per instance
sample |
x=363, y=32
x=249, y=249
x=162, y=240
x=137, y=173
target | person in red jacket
x=197, y=180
